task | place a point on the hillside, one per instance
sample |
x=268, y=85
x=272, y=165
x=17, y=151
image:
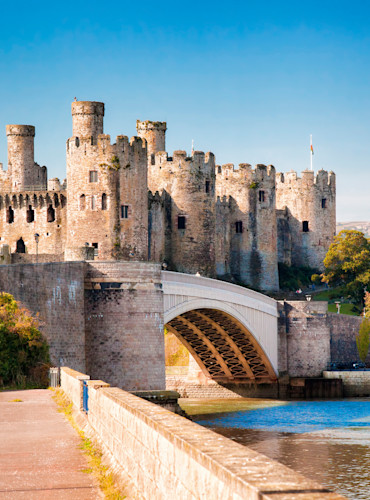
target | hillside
x=362, y=226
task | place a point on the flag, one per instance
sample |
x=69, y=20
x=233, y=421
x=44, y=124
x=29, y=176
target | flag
x=311, y=149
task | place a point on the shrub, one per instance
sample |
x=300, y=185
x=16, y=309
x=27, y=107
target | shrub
x=363, y=339
x=24, y=353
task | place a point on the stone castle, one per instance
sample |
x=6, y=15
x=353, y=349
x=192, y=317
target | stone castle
x=131, y=201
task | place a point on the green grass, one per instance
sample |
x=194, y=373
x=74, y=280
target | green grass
x=344, y=309
x=107, y=481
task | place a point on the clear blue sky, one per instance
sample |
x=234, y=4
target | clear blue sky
x=247, y=80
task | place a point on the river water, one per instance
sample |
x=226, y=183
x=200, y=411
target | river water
x=328, y=441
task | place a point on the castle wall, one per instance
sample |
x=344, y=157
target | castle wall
x=55, y=292
x=46, y=217
x=308, y=200
x=251, y=223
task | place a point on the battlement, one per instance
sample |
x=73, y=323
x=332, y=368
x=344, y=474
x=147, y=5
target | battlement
x=308, y=178
x=179, y=159
x=245, y=172
x=103, y=144
x=20, y=130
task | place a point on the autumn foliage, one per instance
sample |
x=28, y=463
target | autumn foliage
x=347, y=263
x=24, y=353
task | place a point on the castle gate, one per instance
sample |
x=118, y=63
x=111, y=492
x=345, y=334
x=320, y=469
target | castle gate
x=230, y=331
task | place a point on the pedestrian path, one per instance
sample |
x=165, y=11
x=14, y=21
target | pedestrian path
x=39, y=451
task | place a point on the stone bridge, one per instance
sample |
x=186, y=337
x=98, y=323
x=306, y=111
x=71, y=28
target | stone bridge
x=107, y=319
x=229, y=330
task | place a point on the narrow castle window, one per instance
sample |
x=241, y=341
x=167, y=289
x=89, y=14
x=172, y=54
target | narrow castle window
x=30, y=214
x=104, y=202
x=82, y=202
x=50, y=214
x=305, y=226
x=239, y=226
x=10, y=215
x=93, y=176
x=323, y=203
x=181, y=222
x=208, y=185
x=124, y=211
x=261, y=196
x=93, y=203
x=219, y=169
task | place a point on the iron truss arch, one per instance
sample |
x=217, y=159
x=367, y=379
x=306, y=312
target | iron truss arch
x=224, y=348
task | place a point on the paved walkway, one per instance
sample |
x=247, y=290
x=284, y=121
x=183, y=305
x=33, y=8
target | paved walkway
x=39, y=454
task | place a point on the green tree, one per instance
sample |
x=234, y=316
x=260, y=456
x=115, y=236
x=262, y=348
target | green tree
x=347, y=263
x=363, y=339
x=24, y=353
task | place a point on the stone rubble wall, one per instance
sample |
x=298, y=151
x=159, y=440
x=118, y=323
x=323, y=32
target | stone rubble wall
x=167, y=456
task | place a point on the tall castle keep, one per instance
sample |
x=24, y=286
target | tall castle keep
x=131, y=201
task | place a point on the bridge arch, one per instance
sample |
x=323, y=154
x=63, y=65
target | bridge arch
x=221, y=340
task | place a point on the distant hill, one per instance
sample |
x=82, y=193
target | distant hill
x=362, y=226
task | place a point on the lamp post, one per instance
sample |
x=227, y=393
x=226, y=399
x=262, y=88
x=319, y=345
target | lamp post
x=37, y=237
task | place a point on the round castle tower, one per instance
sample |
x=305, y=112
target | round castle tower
x=107, y=189
x=190, y=184
x=247, y=248
x=22, y=170
x=87, y=118
x=309, y=202
x=154, y=133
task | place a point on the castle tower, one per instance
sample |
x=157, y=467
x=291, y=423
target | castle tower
x=189, y=185
x=87, y=118
x=310, y=211
x=154, y=133
x=107, y=190
x=247, y=250
x=22, y=170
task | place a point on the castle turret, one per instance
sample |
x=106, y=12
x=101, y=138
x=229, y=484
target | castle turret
x=22, y=170
x=107, y=190
x=189, y=183
x=154, y=133
x=246, y=248
x=87, y=118
x=308, y=207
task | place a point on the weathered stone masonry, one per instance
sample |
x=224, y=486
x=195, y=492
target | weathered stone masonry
x=132, y=201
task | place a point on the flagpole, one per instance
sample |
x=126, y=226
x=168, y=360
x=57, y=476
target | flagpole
x=311, y=149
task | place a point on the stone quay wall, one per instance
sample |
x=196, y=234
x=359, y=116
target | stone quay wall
x=355, y=383
x=167, y=456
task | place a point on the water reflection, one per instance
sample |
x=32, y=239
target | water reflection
x=328, y=441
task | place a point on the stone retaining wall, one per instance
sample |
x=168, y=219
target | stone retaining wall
x=355, y=383
x=167, y=456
